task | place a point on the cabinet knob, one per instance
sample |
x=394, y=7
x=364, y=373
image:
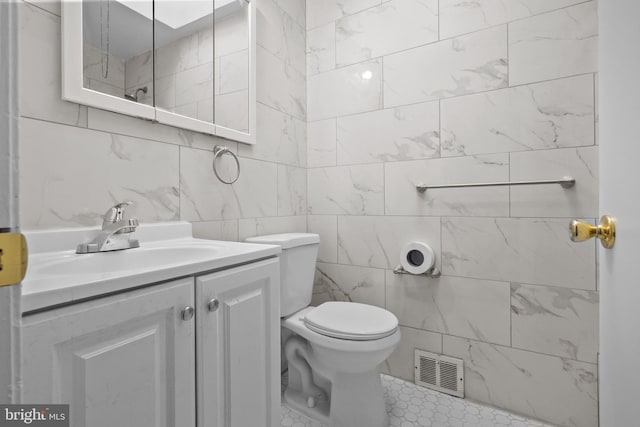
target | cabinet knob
x=187, y=313
x=213, y=304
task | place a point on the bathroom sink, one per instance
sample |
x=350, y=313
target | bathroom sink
x=126, y=260
x=57, y=275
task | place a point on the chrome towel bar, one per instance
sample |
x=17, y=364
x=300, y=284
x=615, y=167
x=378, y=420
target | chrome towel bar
x=565, y=182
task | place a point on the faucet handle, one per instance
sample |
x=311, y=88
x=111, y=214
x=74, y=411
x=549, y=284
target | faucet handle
x=115, y=213
x=131, y=226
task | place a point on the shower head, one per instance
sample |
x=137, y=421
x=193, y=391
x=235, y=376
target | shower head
x=133, y=96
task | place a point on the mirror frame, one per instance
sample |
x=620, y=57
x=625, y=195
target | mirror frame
x=73, y=89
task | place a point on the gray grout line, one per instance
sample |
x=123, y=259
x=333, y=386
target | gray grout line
x=443, y=334
x=439, y=40
x=466, y=156
x=439, y=25
x=35, y=5
x=510, y=315
x=504, y=88
x=479, y=29
x=459, y=276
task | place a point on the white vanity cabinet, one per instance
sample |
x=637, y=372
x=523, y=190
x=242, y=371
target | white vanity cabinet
x=130, y=359
x=150, y=357
x=238, y=346
x=122, y=360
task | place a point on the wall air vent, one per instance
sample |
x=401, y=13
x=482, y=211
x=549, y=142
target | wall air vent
x=440, y=373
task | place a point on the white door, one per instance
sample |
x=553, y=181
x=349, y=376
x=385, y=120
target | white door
x=120, y=361
x=238, y=345
x=619, y=100
x=9, y=295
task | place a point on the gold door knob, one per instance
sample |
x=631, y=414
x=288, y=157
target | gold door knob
x=605, y=231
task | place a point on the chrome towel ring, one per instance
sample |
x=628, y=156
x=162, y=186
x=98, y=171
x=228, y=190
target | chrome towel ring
x=218, y=151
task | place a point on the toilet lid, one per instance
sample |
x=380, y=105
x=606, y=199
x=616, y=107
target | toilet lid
x=351, y=321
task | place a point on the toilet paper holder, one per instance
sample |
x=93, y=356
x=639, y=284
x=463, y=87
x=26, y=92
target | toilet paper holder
x=418, y=259
x=432, y=272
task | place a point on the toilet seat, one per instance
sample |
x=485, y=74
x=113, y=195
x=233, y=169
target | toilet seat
x=351, y=321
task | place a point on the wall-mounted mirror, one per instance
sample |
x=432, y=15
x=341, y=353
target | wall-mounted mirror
x=116, y=38
x=184, y=63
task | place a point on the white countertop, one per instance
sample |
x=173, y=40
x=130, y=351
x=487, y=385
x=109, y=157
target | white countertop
x=57, y=275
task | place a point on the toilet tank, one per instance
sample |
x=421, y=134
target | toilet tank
x=297, y=267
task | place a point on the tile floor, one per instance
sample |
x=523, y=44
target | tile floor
x=409, y=405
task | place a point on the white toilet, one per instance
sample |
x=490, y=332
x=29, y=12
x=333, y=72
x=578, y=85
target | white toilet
x=334, y=349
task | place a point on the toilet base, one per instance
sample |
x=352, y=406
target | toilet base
x=295, y=400
x=356, y=400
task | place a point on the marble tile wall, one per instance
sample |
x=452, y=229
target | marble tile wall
x=403, y=92
x=358, y=101
x=77, y=161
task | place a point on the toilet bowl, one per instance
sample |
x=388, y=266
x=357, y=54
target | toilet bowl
x=334, y=349
x=344, y=370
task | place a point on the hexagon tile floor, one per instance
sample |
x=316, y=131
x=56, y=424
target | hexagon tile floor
x=410, y=405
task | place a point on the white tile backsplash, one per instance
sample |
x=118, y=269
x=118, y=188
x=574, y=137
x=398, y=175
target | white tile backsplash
x=57, y=190
x=251, y=227
x=216, y=230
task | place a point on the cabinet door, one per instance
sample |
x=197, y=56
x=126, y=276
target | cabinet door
x=238, y=346
x=127, y=360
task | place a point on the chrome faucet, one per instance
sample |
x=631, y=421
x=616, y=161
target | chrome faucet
x=115, y=234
